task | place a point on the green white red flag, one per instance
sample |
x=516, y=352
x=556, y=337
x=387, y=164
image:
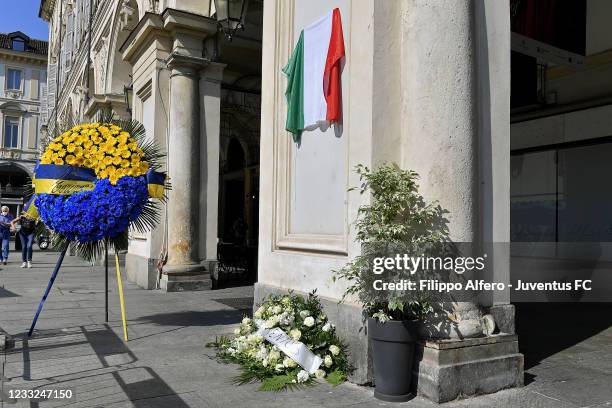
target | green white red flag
x=314, y=91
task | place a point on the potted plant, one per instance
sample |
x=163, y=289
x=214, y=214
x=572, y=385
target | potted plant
x=397, y=220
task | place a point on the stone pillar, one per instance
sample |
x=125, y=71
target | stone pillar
x=210, y=119
x=184, y=271
x=493, y=40
x=445, y=108
x=440, y=125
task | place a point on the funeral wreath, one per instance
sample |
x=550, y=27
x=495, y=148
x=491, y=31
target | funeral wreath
x=93, y=183
x=95, y=180
x=288, y=343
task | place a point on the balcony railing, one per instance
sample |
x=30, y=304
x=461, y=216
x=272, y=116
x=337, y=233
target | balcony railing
x=18, y=154
x=13, y=191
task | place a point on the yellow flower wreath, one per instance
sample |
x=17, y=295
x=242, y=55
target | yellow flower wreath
x=108, y=150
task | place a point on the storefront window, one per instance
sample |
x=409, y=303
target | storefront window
x=561, y=195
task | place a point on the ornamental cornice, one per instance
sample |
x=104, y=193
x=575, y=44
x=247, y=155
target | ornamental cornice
x=17, y=56
x=100, y=102
x=32, y=102
x=150, y=26
x=187, y=63
x=46, y=9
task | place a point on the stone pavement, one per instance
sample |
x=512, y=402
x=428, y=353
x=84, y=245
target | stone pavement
x=165, y=363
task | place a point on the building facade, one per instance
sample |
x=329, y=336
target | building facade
x=164, y=64
x=23, y=76
x=512, y=154
x=425, y=85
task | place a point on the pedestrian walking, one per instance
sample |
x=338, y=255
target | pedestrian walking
x=26, y=235
x=5, y=233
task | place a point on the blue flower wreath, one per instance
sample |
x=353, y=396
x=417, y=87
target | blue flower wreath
x=104, y=212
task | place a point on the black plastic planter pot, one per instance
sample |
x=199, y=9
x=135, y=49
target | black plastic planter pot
x=393, y=353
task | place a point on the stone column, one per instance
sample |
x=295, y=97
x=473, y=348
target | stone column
x=493, y=40
x=184, y=271
x=439, y=115
x=445, y=109
x=210, y=119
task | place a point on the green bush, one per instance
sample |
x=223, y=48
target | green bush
x=397, y=220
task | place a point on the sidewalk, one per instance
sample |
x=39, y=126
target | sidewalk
x=165, y=363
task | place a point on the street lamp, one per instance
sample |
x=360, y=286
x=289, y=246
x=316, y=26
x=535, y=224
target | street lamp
x=230, y=15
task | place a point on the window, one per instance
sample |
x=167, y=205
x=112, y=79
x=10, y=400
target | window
x=561, y=24
x=556, y=196
x=13, y=79
x=11, y=132
x=18, y=44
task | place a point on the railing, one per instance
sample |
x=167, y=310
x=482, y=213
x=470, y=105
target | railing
x=13, y=191
x=18, y=154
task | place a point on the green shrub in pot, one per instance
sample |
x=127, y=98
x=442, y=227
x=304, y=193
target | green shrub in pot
x=397, y=220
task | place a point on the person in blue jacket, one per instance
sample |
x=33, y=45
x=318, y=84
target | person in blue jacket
x=5, y=233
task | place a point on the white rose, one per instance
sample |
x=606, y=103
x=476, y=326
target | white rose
x=254, y=338
x=237, y=331
x=302, y=376
x=231, y=350
x=277, y=309
x=328, y=361
x=264, y=362
x=262, y=353
x=246, y=321
x=309, y=321
x=304, y=314
x=271, y=322
x=279, y=367
x=334, y=349
x=289, y=362
x=326, y=327
x=274, y=356
x=241, y=343
x=295, y=334
x=320, y=374
x=283, y=319
x=259, y=312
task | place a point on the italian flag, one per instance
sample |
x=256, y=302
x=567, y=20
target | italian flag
x=314, y=92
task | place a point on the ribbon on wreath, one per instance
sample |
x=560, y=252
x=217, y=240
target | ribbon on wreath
x=62, y=180
x=296, y=350
x=67, y=180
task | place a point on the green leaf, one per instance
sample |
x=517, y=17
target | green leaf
x=218, y=343
x=336, y=377
x=247, y=377
x=284, y=383
x=276, y=383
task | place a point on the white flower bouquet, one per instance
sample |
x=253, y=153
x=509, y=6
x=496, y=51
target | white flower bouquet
x=302, y=320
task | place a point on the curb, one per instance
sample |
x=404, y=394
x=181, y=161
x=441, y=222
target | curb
x=6, y=341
